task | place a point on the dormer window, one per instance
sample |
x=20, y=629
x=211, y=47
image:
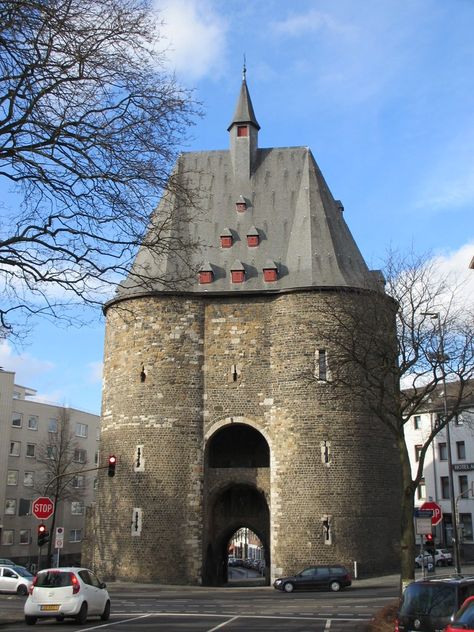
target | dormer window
x=270, y=272
x=206, y=274
x=242, y=130
x=241, y=205
x=237, y=272
x=226, y=238
x=253, y=238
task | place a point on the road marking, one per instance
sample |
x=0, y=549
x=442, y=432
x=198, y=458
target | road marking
x=358, y=619
x=105, y=625
x=328, y=625
x=221, y=625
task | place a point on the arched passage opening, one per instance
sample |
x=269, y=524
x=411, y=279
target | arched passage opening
x=236, y=492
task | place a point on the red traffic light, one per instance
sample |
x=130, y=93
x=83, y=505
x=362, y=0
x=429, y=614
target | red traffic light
x=43, y=534
x=429, y=537
x=112, y=464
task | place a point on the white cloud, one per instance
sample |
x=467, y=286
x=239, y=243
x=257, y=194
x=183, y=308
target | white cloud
x=455, y=265
x=24, y=365
x=196, y=37
x=312, y=21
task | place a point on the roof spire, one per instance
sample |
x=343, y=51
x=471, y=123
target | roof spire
x=244, y=110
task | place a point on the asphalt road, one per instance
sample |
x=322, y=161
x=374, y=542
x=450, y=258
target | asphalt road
x=197, y=609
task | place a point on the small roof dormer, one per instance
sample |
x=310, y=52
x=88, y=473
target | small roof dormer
x=243, y=132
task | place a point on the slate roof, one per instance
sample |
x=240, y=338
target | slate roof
x=301, y=226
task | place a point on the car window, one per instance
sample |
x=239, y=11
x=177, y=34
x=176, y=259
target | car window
x=7, y=572
x=94, y=580
x=22, y=571
x=308, y=572
x=53, y=579
x=322, y=571
x=84, y=575
x=337, y=570
x=429, y=599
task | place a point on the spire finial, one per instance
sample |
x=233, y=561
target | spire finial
x=244, y=69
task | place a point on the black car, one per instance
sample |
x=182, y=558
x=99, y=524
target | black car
x=332, y=577
x=428, y=605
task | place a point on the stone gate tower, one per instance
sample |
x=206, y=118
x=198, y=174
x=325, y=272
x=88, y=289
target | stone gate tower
x=220, y=399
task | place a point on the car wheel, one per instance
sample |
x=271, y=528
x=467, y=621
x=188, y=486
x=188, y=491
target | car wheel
x=82, y=616
x=22, y=590
x=288, y=587
x=30, y=620
x=105, y=616
x=335, y=586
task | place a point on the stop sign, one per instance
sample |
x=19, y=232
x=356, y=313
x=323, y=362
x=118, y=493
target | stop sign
x=436, y=509
x=42, y=507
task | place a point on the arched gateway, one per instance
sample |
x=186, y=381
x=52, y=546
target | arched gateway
x=236, y=491
x=220, y=399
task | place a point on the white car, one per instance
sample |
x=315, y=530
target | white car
x=15, y=579
x=442, y=557
x=67, y=592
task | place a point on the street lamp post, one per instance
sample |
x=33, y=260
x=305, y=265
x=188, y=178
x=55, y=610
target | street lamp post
x=454, y=522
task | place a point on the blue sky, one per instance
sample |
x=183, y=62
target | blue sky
x=382, y=91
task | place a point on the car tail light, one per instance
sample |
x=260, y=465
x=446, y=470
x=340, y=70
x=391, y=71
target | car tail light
x=76, y=587
x=30, y=589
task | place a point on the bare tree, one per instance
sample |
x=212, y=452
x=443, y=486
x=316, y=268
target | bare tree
x=90, y=123
x=63, y=461
x=434, y=345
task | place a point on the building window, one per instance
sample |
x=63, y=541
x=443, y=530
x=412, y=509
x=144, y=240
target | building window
x=417, y=422
x=51, y=451
x=12, y=477
x=80, y=456
x=25, y=536
x=321, y=370
x=421, y=490
x=445, y=487
x=75, y=535
x=418, y=449
x=52, y=425
x=24, y=508
x=206, y=276
x=95, y=484
x=270, y=275
x=458, y=420
x=237, y=276
x=241, y=204
x=29, y=479
x=32, y=422
x=242, y=130
x=77, y=508
x=81, y=430
x=443, y=452
x=465, y=520
x=17, y=419
x=78, y=481
x=463, y=485
x=7, y=537
x=15, y=448
x=461, y=450
x=30, y=450
x=10, y=507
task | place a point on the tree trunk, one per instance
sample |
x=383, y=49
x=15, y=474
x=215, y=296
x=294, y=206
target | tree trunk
x=407, y=535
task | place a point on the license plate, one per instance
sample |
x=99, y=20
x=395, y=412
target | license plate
x=50, y=607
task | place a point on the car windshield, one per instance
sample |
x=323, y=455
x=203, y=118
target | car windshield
x=21, y=570
x=437, y=600
x=466, y=616
x=53, y=579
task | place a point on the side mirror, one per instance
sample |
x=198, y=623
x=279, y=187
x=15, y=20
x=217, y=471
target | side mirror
x=102, y=585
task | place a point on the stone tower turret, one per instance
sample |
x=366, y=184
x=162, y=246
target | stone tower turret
x=218, y=395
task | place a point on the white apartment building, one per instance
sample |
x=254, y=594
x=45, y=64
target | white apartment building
x=27, y=437
x=435, y=483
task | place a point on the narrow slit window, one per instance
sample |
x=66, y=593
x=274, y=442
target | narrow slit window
x=321, y=369
x=139, y=459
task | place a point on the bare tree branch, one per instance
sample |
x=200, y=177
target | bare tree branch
x=90, y=124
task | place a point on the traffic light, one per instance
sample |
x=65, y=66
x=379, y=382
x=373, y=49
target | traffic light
x=112, y=464
x=429, y=544
x=43, y=534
